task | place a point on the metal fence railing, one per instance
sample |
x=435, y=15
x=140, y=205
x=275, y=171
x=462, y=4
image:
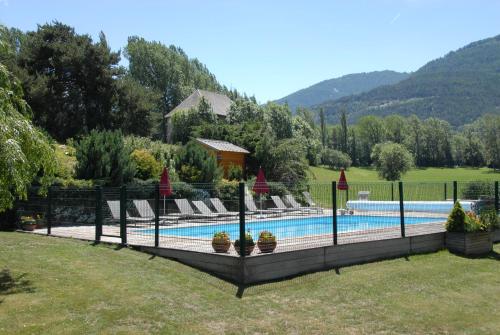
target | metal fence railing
x=230, y=217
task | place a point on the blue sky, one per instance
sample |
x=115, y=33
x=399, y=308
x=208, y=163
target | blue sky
x=272, y=48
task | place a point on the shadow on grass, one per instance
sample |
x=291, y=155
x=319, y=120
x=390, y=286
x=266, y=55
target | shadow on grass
x=10, y=284
x=491, y=255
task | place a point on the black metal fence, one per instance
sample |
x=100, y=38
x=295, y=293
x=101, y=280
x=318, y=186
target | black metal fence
x=289, y=217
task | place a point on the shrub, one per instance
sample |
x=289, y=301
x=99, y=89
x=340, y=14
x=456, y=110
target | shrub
x=222, y=236
x=335, y=159
x=490, y=218
x=147, y=167
x=234, y=172
x=248, y=240
x=456, y=219
x=162, y=152
x=102, y=155
x=476, y=189
x=391, y=160
x=227, y=189
x=197, y=165
x=267, y=236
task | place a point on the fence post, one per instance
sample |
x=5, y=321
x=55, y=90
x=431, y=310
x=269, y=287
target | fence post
x=123, y=214
x=497, y=200
x=392, y=191
x=242, y=218
x=98, y=213
x=157, y=215
x=49, y=211
x=445, y=191
x=455, y=191
x=402, y=209
x=334, y=211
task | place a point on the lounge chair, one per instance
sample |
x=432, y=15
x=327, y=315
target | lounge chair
x=145, y=211
x=114, y=207
x=309, y=199
x=291, y=200
x=187, y=212
x=203, y=208
x=220, y=208
x=281, y=205
x=252, y=208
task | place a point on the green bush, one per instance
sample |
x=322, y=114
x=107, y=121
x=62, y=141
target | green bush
x=460, y=221
x=391, y=160
x=456, y=219
x=197, y=165
x=234, y=172
x=162, y=152
x=227, y=189
x=248, y=240
x=490, y=218
x=476, y=189
x=147, y=167
x=335, y=159
x=103, y=156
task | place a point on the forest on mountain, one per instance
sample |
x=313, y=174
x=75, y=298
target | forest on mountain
x=458, y=88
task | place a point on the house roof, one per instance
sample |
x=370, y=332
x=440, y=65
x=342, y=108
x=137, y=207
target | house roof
x=220, y=103
x=222, y=145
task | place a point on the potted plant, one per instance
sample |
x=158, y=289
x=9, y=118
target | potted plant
x=221, y=242
x=28, y=223
x=267, y=242
x=249, y=244
x=40, y=221
x=489, y=217
x=466, y=233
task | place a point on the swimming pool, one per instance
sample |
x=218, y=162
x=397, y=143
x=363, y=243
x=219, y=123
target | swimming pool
x=294, y=227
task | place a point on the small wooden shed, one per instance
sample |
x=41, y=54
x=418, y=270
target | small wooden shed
x=227, y=153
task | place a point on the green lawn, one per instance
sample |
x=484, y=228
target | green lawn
x=61, y=286
x=354, y=174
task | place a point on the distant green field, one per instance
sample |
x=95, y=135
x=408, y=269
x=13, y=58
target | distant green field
x=355, y=174
x=430, y=184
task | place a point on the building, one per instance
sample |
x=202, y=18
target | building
x=227, y=154
x=220, y=104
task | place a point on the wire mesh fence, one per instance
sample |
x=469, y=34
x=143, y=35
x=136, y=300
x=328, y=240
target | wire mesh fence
x=232, y=218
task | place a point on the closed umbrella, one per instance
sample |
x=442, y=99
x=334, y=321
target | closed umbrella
x=260, y=186
x=342, y=184
x=165, y=187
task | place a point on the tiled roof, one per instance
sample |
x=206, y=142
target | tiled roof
x=222, y=145
x=220, y=103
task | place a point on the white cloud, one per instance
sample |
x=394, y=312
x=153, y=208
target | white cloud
x=395, y=18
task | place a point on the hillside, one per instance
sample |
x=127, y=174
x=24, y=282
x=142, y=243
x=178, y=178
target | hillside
x=336, y=88
x=458, y=88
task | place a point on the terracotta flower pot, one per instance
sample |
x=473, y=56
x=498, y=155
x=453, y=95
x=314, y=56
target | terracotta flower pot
x=221, y=245
x=248, y=249
x=266, y=246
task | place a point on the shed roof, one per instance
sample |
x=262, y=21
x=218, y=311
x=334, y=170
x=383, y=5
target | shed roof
x=220, y=103
x=222, y=145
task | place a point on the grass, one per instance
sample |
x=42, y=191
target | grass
x=420, y=184
x=61, y=286
x=355, y=174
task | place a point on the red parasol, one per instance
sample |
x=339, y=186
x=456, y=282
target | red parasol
x=260, y=184
x=165, y=187
x=342, y=185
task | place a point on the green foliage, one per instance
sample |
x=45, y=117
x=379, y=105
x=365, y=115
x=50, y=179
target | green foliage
x=234, y=172
x=65, y=161
x=476, y=189
x=162, y=152
x=474, y=224
x=489, y=218
x=221, y=235
x=244, y=111
x=456, y=219
x=197, y=165
x=335, y=159
x=185, y=121
x=280, y=120
x=267, y=236
x=25, y=152
x=147, y=167
x=103, y=156
x=307, y=134
x=69, y=80
x=391, y=160
x=248, y=240
x=227, y=189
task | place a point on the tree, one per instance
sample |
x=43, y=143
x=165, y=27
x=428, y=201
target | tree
x=280, y=119
x=371, y=131
x=169, y=71
x=147, y=167
x=391, y=160
x=196, y=165
x=303, y=131
x=344, y=131
x=68, y=79
x=323, y=131
x=335, y=159
x=184, y=122
x=103, y=156
x=395, y=126
x=25, y=152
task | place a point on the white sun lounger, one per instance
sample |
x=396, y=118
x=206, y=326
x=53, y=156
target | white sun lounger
x=220, y=208
x=281, y=205
x=145, y=211
x=188, y=212
x=252, y=208
x=114, y=207
x=291, y=200
x=203, y=208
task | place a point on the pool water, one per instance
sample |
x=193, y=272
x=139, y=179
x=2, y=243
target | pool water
x=294, y=227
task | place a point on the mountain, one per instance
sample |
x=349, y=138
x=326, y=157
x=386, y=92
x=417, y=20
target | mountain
x=339, y=87
x=459, y=87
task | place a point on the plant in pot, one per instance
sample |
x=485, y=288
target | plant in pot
x=221, y=242
x=489, y=217
x=28, y=223
x=249, y=244
x=466, y=233
x=266, y=242
x=40, y=221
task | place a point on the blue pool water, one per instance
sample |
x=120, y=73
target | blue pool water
x=296, y=227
